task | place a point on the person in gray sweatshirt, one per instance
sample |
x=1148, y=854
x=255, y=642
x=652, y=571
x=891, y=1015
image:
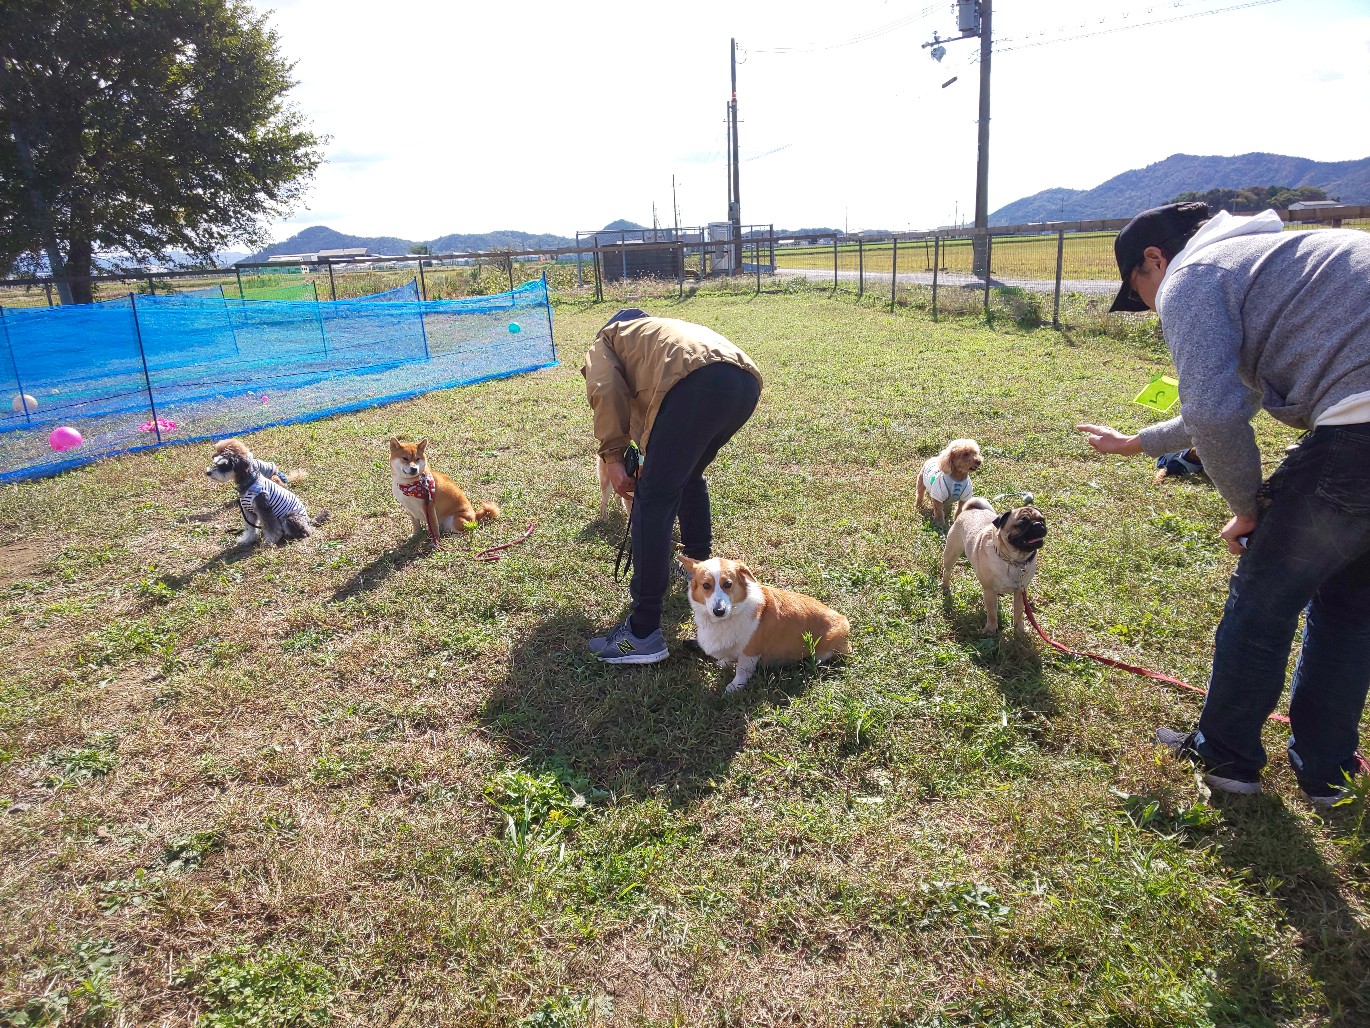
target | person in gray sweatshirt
x=1259, y=318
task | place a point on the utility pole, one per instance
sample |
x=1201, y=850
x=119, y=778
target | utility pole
x=675, y=209
x=735, y=198
x=973, y=19
x=982, y=154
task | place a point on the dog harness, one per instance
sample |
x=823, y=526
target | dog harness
x=425, y=488
x=942, y=487
x=284, y=504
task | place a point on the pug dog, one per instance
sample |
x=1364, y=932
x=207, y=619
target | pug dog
x=1002, y=549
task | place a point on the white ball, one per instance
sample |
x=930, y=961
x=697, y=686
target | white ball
x=22, y=400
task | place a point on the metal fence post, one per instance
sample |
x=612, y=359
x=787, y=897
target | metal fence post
x=23, y=396
x=894, y=272
x=239, y=272
x=834, y=265
x=332, y=289
x=679, y=270
x=860, y=268
x=47, y=288
x=580, y=279
x=423, y=286
x=147, y=379
x=1060, y=254
x=988, y=267
x=936, y=266
x=756, y=256
x=547, y=304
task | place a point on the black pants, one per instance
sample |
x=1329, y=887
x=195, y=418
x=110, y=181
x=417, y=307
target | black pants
x=700, y=413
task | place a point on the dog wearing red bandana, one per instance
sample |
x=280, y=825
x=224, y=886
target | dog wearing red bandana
x=430, y=498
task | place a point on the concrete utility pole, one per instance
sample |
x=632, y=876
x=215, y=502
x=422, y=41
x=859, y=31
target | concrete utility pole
x=982, y=156
x=735, y=200
x=973, y=19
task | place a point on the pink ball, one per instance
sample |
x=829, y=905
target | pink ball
x=65, y=438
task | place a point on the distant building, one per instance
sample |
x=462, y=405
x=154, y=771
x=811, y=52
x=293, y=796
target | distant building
x=1308, y=205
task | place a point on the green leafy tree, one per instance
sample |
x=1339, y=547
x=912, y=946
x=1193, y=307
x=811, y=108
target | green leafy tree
x=138, y=127
x=1254, y=198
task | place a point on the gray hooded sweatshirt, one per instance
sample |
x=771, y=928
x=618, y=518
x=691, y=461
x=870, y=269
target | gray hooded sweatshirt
x=1260, y=319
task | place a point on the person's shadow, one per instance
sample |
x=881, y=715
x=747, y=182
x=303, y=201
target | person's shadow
x=1274, y=854
x=664, y=729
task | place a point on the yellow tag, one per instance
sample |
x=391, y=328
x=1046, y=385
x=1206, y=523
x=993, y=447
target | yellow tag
x=1162, y=393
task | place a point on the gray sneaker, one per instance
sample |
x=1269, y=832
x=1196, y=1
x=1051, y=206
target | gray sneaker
x=1182, y=745
x=1325, y=801
x=621, y=646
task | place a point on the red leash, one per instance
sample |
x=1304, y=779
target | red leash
x=1144, y=672
x=493, y=552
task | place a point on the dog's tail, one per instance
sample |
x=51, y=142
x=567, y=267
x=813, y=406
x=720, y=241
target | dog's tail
x=978, y=503
x=291, y=477
x=488, y=511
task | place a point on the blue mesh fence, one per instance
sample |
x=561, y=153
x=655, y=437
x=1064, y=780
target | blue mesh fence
x=148, y=371
x=408, y=291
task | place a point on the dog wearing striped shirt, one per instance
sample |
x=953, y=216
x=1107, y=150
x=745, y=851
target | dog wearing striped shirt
x=271, y=512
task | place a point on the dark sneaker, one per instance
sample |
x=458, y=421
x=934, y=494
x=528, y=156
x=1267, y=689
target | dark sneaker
x=1176, y=464
x=621, y=646
x=1182, y=745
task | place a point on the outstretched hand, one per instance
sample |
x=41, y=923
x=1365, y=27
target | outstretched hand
x=1110, y=440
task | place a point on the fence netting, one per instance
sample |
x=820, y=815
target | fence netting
x=145, y=371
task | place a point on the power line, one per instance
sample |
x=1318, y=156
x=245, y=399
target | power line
x=1000, y=48
x=874, y=33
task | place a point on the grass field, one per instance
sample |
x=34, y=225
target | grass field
x=352, y=782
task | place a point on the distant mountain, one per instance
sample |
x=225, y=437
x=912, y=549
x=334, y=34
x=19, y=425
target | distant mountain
x=319, y=237
x=1124, y=195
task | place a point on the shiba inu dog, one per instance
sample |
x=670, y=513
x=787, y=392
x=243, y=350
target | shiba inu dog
x=740, y=621
x=430, y=498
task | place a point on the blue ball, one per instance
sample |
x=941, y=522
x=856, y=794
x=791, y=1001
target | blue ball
x=515, y=327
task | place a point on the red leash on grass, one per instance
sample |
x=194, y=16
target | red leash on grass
x=1144, y=672
x=494, y=552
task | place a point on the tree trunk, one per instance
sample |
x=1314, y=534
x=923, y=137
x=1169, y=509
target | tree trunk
x=78, y=284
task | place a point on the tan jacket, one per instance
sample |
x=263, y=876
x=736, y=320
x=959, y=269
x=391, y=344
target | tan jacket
x=633, y=365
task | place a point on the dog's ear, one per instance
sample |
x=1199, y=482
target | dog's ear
x=688, y=563
x=421, y=446
x=394, y=443
x=1002, y=519
x=745, y=573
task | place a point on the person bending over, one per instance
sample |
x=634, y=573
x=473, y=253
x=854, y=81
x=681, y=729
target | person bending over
x=1255, y=318
x=680, y=391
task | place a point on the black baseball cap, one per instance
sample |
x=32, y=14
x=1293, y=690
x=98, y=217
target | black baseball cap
x=1172, y=223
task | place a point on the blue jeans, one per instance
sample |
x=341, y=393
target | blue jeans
x=1310, y=551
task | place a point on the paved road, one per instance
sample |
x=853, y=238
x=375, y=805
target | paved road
x=874, y=281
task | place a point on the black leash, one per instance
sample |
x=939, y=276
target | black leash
x=623, y=562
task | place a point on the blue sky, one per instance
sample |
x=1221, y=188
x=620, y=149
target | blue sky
x=552, y=117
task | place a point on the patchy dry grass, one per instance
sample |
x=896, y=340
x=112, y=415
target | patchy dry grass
x=352, y=782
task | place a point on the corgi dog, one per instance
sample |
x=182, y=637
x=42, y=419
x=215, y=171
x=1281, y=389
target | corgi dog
x=416, y=488
x=740, y=621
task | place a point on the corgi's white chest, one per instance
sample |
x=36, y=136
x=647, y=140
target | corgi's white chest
x=726, y=638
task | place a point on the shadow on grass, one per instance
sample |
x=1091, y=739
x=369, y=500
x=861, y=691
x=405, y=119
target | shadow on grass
x=230, y=555
x=380, y=569
x=663, y=729
x=1272, y=850
x=1012, y=660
